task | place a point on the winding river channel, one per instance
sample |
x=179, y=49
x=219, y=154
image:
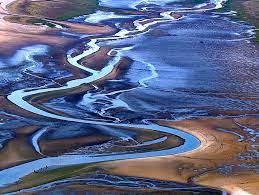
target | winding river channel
x=154, y=17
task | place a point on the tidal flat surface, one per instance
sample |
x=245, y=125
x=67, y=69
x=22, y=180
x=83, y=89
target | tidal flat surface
x=128, y=97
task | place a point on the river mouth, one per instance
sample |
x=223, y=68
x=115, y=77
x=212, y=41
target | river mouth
x=143, y=82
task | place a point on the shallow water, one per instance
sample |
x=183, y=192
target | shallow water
x=196, y=72
x=199, y=64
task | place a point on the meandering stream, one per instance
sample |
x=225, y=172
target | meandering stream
x=142, y=25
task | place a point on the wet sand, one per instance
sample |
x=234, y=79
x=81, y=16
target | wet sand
x=224, y=160
x=219, y=162
x=16, y=34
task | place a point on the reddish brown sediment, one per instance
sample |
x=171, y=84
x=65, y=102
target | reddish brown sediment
x=4, y=5
x=159, y=33
x=86, y=28
x=250, y=7
x=18, y=150
x=27, y=130
x=97, y=60
x=61, y=146
x=176, y=16
x=48, y=9
x=17, y=32
x=12, y=41
x=207, y=165
x=14, y=36
x=232, y=113
x=220, y=162
x=39, y=99
x=11, y=108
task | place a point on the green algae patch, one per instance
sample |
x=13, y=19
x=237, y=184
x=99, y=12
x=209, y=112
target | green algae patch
x=48, y=175
x=58, y=10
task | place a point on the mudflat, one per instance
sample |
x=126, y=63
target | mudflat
x=129, y=97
